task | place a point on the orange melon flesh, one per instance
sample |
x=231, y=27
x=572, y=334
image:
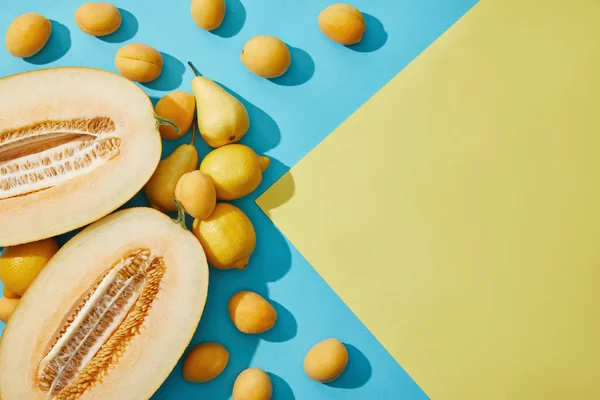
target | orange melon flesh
x=75, y=144
x=169, y=295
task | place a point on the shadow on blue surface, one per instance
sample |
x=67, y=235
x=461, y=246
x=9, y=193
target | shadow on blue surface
x=285, y=328
x=374, y=38
x=171, y=77
x=281, y=390
x=58, y=45
x=300, y=71
x=270, y=261
x=264, y=133
x=277, y=172
x=358, y=371
x=127, y=30
x=235, y=17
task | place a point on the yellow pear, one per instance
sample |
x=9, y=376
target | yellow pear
x=160, y=189
x=222, y=119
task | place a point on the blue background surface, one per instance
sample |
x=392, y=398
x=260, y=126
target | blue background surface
x=289, y=117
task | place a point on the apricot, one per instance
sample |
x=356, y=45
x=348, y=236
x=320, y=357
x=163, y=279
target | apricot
x=7, y=307
x=177, y=107
x=326, y=361
x=208, y=14
x=266, y=56
x=27, y=35
x=205, y=362
x=252, y=384
x=251, y=313
x=139, y=62
x=98, y=18
x=197, y=194
x=342, y=23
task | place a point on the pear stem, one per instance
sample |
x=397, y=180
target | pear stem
x=193, y=68
x=193, y=131
x=163, y=121
x=180, y=214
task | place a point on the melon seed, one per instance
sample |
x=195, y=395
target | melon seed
x=101, y=327
x=41, y=156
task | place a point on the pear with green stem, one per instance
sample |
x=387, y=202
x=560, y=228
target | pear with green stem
x=160, y=189
x=222, y=119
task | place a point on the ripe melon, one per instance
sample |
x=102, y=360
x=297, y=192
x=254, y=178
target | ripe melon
x=75, y=144
x=111, y=313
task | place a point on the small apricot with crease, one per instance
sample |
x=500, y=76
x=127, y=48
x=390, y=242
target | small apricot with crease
x=98, y=18
x=27, y=35
x=139, y=62
x=178, y=107
x=252, y=384
x=205, y=362
x=326, y=361
x=7, y=307
x=342, y=23
x=251, y=313
x=266, y=56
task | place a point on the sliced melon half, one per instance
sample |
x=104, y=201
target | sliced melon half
x=110, y=315
x=75, y=144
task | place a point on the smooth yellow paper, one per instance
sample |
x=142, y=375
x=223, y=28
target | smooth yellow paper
x=457, y=213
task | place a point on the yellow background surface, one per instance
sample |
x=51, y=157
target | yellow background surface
x=457, y=213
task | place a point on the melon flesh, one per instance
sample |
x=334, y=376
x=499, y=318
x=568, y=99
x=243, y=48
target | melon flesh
x=75, y=144
x=110, y=315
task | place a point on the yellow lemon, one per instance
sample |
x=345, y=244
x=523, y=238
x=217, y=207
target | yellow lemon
x=19, y=265
x=227, y=236
x=235, y=169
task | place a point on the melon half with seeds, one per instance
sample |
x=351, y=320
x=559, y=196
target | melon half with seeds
x=75, y=144
x=110, y=315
